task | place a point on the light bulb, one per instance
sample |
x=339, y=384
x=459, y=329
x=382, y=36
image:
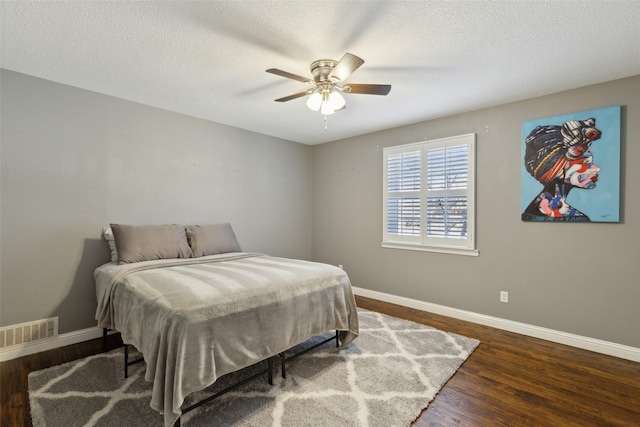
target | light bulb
x=314, y=101
x=327, y=108
x=337, y=100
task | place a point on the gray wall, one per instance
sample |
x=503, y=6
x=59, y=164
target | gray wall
x=73, y=161
x=578, y=278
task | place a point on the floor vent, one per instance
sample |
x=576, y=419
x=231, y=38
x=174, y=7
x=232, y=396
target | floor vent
x=27, y=333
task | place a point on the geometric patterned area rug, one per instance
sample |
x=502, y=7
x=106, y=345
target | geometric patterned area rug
x=386, y=377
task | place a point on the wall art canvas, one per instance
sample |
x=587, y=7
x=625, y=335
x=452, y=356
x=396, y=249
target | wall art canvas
x=571, y=167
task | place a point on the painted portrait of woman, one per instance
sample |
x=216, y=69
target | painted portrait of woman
x=560, y=159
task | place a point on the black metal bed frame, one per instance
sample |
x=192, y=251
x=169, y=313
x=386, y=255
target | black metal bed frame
x=269, y=370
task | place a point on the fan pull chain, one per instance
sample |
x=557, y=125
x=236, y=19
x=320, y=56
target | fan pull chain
x=325, y=123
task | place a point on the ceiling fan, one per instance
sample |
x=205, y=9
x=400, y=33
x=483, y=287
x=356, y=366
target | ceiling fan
x=327, y=83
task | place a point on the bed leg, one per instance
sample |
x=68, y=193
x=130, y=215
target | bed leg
x=270, y=375
x=104, y=340
x=282, y=365
x=177, y=423
x=337, y=339
x=126, y=361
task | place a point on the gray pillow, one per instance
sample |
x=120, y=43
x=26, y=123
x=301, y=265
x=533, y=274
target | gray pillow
x=212, y=239
x=148, y=242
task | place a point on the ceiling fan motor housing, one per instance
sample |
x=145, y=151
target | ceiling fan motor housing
x=321, y=68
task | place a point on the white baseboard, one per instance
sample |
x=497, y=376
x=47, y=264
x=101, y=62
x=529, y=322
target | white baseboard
x=578, y=341
x=61, y=341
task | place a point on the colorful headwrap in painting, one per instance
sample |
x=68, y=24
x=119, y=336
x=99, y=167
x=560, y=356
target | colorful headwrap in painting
x=550, y=148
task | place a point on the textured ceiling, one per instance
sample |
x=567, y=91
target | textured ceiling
x=208, y=58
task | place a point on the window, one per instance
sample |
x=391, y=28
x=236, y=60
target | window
x=429, y=195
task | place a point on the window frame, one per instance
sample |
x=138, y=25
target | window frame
x=461, y=246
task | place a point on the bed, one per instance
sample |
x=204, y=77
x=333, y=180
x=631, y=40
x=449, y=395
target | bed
x=201, y=315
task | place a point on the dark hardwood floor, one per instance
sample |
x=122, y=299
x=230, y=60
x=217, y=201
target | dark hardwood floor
x=14, y=398
x=514, y=380
x=510, y=380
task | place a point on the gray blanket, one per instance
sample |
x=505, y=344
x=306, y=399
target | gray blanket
x=195, y=320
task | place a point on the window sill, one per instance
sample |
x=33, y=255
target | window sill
x=418, y=247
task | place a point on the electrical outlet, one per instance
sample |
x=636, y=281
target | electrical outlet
x=504, y=296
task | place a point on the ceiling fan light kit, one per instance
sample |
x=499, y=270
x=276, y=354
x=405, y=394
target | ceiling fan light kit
x=315, y=101
x=337, y=100
x=325, y=85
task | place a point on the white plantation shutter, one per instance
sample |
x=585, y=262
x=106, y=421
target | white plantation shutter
x=429, y=194
x=404, y=216
x=447, y=184
x=404, y=171
x=403, y=189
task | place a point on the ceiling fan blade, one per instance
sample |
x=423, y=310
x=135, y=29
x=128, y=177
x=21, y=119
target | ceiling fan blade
x=347, y=65
x=290, y=97
x=288, y=75
x=367, y=89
